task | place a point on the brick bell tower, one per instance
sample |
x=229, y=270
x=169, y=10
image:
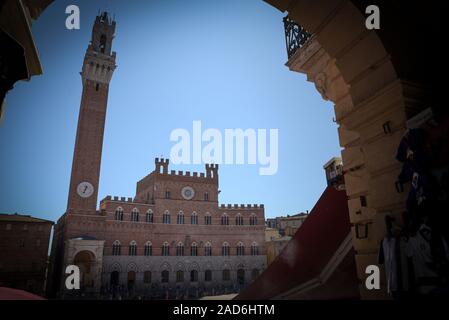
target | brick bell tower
x=98, y=67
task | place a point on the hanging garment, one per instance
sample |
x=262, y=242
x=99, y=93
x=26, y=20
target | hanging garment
x=418, y=248
x=388, y=257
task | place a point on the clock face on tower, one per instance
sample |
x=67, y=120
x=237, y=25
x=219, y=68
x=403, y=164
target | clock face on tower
x=85, y=189
x=187, y=193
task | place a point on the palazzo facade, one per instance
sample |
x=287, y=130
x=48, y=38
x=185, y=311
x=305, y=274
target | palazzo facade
x=171, y=240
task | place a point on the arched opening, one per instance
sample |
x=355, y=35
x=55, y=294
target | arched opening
x=148, y=251
x=149, y=216
x=241, y=277
x=131, y=280
x=226, y=275
x=240, y=250
x=165, y=276
x=119, y=214
x=135, y=215
x=147, y=277
x=193, y=276
x=208, y=249
x=207, y=219
x=180, y=218
x=85, y=260
x=166, y=217
x=179, y=276
x=103, y=39
x=114, y=281
x=208, y=275
x=194, y=249
x=132, y=250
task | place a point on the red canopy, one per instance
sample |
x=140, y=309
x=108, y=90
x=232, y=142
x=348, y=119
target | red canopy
x=318, y=263
x=16, y=294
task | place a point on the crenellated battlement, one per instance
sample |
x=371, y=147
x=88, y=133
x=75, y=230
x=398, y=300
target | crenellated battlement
x=161, y=161
x=161, y=168
x=120, y=199
x=241, y=206
x=187, y=174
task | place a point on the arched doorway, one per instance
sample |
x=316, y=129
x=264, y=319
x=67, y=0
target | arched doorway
x=131, y=280
x=114, y=281
x=241, y=277
x=85, y=260
x=165, y=276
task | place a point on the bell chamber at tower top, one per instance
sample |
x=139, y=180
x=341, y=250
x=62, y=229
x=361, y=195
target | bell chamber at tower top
x=99, y=61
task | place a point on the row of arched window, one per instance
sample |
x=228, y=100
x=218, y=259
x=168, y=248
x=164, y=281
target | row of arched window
x=179, y=249
x=149, y=217
x=193, y=275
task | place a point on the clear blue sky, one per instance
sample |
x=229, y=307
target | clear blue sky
x=221, y=62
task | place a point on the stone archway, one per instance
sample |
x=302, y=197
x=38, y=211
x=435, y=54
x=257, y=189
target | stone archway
x=368, y=76
x=86, y=262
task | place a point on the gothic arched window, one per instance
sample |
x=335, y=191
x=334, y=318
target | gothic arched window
x=207, y=219
x=148, y=251
x=253, y=220
x=254, y=249
x=240, y=249
x=116, y=248
x=149, y=216
x=194, y=218
x=135, y=215
x=166, y=217
x=133, y=248
x=239, y=220
x=225, y=249
x=180, y=219
x=166, y=249
x=180, y=249
x=119, y=214
x=224, y=220
x=208, y=249
x=194, y=249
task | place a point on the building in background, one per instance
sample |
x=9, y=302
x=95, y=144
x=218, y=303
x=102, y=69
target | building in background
x=334, y=172
x=271, y=234
x=279, y=231
x=24, y=242
x=287, y=226
x=274, y=246
x=19, y=58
